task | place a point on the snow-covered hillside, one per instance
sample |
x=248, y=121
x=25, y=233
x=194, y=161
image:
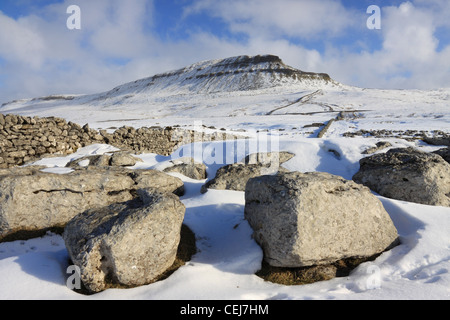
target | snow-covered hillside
x=259, y=93
x=241, y=92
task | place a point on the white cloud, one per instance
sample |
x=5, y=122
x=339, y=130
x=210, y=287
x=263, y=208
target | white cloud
x=409, y=34
x=292, y=18
x=439, y=8
x=40, y=56
x=19, y=42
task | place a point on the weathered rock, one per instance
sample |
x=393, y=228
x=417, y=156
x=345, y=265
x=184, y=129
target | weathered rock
x=443, y=140
x=444, y=153
x=268, y=158
x=123, y=159
x=236, y=175
x=407, y=174
x=103, y=160
x=189, y=168
x=157, y=180
x=305, y=219
x=126, y=244
x=379, y=146
x=117, y=159
x=33, y=201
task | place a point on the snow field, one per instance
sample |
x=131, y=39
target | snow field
x=228, y=257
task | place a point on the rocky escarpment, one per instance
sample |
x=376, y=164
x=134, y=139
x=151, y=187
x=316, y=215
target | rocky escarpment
x=26, y=139
x=240, y=73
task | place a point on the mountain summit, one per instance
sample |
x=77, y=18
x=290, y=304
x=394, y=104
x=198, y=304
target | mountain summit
x=241, y=73
x=230, y=87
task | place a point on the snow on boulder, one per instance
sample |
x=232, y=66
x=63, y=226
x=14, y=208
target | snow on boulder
x=126, y=244
x=407, y=174
x=306, y=219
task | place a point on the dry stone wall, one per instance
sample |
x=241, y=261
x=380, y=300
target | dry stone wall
x=26, y=139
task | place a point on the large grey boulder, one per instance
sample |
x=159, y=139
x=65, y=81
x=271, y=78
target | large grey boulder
x=306, y=219
x=32, y=201
x=407, y=174
x=235, y=176
x=123, y=159
x=126, y=244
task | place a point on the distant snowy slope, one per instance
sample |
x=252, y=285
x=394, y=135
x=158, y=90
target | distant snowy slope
x=241, y=92
x=241, y=73
x=238, y=75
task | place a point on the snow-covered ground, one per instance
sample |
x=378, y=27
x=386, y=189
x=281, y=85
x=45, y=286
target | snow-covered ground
x=228, y=257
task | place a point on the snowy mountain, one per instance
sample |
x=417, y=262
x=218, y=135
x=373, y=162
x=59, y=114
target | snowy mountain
x=193, y=87
x=241, y=73
x=241, y=90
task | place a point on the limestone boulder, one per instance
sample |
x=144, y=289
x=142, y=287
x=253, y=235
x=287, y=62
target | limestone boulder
x=32, y=201
x=126, y=244
x=188, y=167
x=407, y=174
x=123, y=159
x=444, y=153
x=236, y=175
x=306, y=219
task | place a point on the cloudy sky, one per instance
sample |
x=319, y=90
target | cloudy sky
x=121, y=41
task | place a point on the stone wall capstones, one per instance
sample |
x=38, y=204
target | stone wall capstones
x=27, y=139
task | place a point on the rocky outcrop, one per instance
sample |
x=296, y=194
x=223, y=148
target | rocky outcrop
x=33, y=201
x=407, y=174
x=236, y=175
x=126, y=244
x=444, y=153
x=305, y=219
x=117, y=159
x=439, y=139
x=123, y=159
x=188, y=167
x=102, y=160
x=240, y=73
x=378, y=146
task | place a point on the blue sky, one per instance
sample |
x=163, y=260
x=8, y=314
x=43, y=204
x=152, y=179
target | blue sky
x=122, y=41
